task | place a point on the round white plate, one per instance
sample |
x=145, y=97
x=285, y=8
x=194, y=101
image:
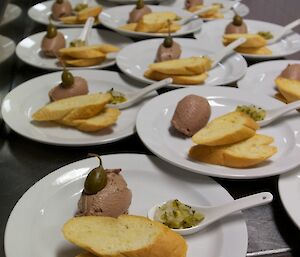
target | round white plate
x=154, y=128
x=12, y=12
x=115, y=17
x=212, y=33
x=19, y=105
x=41, y=12
x=48, y=204
x=289, y=191
x=241, y=8
x=7, y=48
x=260, y=77
x=133, y=1
x=29, y=49
x=134, y=60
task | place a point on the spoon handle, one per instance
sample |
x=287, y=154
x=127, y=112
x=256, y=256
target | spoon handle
x=87, y=26
x=240, y=204
x=284, y=30
x=143, y=92
x=218, y=56
x=194, y=14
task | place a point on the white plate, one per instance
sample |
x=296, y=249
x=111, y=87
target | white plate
x=289, y=191
x=260, y=77
x=12, y=12
x=19, y=105
x=241, y=8
x=115, y=17
x=134, y=1
x=48, y=204
x=212, y=32
x=7, y=48
x=29, y=49
x=41, y=12
x=153, y=127
x=134, y=60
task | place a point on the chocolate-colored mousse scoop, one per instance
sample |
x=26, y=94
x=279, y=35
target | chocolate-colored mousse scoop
x=70, y=86
x=237, y=26
x=60, y=9
x=105, y=193
x=168, y=50
x=191, y=114
x=138, y=12
x=52, y=41
x=292, y=71
x=192, y=3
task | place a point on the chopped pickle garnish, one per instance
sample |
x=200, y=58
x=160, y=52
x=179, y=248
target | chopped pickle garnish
x=117, y=97
x=176, y=214
x=256, y=113
x=266, y=34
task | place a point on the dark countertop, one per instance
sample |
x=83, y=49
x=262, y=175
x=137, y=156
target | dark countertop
x=24, y=162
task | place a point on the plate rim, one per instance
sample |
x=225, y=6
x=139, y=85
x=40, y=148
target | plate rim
x=67, y=143
x=240, y=224
x=148, y=81
x=199, y=170
x=284, y=186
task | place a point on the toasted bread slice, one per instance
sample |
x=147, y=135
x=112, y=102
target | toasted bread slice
x=77, y=107
x=71, y=20
x=259, y=51
x=82, y=52
x=84, y=62
x=173, y=28
x=181, y=80
x=129, y=26
x=248, y=153
x=289, y=88
x=103, y=119
x=226, y=129
x=88, y=12
x=209, y=13
x=184, y=66
x=253, y=40
x=130, y=236
x=280, y=97
x=153, y=22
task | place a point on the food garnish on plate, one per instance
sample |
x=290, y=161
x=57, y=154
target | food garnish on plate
x=63, y=11
x=255, y=43
x=105, y=193
x=176, y=215
x=127, y=235
x=288, y=83
x=154, y=22
x=85, y=55
x=73, y=107
x=52, y=41
x=168, y=49
x=231, y=140
x=138, y=12
x=186, y=71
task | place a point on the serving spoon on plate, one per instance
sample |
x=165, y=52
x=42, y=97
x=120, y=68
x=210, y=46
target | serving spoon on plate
x=133, y=98
x=215, y=213
x=274, y=114
x=283, y=31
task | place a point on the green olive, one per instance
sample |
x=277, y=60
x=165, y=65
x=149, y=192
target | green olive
x=96, y=179
x=237, y=20
x=139, y=4
x=80, y=7
x=51, y=31
x=67, y=79
x=59, y=1
x=168, y=42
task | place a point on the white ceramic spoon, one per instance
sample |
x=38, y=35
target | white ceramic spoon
x=218, y=56
x=133, y=98
x=215, y=213
x=284, y=30
x=194, y=15
x=86, y=30
x=274, y=114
